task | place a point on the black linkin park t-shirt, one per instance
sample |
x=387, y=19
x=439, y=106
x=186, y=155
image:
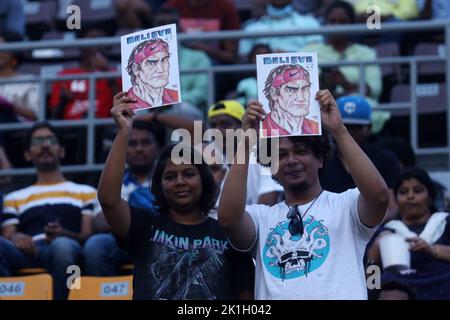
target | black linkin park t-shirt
x=184, y=262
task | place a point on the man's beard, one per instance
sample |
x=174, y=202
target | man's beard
x=299, y=187
x=47, y=166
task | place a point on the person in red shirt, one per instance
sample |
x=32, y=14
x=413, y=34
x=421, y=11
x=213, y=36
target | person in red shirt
x=209, y=15
x=287, y=88
x=70, y=98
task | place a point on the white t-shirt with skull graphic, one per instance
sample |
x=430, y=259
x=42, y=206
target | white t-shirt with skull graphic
x=325, y=263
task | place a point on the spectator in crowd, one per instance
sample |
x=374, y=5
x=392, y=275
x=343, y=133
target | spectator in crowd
x=227, y=115
x=281, y=16
x=70, y=98
x=193, y=85
x=407, y=158
x=4, y=164
x=309, y=246
x=133, y=14
x=198, y=263
x=402, y=150
x=247, y=89
x=18, y=101
x=356, y=115
x=312, y=7
x=345, y=80
x=427, y=232
x=12, y=17
x=209, y=15
x=101, y=254
x=46, y=223
x=434, y=9
x=102, y=257
x=391, y=10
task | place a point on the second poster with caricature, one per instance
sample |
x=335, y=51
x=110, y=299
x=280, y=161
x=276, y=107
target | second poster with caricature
x=150, y=72
x=287, y=86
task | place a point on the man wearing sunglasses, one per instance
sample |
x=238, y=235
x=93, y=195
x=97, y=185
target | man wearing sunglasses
x=311, y=245
x=44, y=225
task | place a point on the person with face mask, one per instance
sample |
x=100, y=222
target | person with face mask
x=280, y=16
x=345, y=80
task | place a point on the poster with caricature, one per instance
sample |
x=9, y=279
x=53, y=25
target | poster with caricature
x=287, y=86
x=150, y=72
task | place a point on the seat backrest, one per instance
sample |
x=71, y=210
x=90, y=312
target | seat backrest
x=96, y=10
x=431, y=97
x=40, y=12
x=430, y=49
x=103, y=288
x=401, y=93
x=386, y=50
x=35, y=287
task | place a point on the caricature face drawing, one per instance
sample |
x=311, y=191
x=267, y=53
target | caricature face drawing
x=148, y=67
x=292, y=98
x=153, y=70
x=288, y=91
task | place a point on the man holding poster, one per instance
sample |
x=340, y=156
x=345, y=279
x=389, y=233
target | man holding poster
x=287, y=90
x=149, y=72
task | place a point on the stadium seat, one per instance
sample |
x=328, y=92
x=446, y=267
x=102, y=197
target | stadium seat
x=386, y=50
x=39, y=18
x=431, y=97
x=29, y=271
x=103, y=288
x=430, y=49
x=96, y=10
x=35, y=287
x=66, y=53
x=33, y=68
x=40, y=12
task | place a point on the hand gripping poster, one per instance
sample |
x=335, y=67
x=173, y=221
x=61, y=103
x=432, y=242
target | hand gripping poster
x=150, y=72
x=287, y=86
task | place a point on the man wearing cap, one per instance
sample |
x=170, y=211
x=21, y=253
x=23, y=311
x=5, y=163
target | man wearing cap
x=148, y=67
x=287, y=88
x=356, y=115
x=227, y=114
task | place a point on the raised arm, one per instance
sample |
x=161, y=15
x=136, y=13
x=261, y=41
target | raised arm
x=237, y=224
x=115, y=209
x=170, y=120
x=374, y=193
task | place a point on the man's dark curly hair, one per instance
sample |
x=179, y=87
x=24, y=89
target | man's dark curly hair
x=319, y=145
